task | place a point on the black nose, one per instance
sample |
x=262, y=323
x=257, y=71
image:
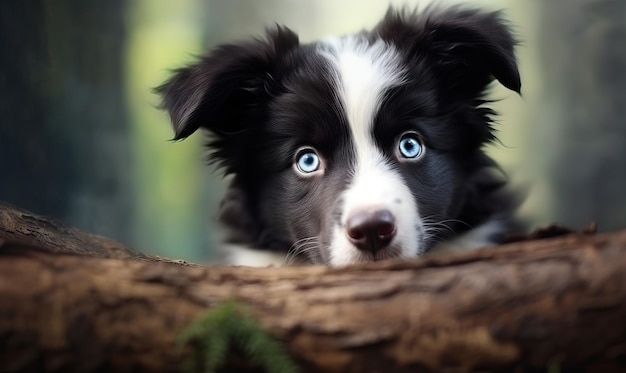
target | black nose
x=371, y=230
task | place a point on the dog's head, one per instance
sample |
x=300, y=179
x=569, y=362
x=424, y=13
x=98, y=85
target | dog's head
x=354, y=148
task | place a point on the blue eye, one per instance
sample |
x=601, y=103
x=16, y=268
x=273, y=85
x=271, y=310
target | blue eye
x=307, y=161
x=410, y=146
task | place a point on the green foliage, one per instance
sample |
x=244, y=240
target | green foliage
x=219, y=328
x=553, y=367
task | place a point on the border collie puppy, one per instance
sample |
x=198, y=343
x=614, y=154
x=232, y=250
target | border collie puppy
x=356, y=148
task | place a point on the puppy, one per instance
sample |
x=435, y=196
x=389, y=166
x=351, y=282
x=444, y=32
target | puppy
x=356, y=148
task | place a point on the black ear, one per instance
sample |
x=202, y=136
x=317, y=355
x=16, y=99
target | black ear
x=221, y=91
x=468, y=47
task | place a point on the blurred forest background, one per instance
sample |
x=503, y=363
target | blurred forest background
x=81, y=138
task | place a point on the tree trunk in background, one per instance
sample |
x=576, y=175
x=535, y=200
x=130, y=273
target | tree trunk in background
x=27, y=161
x=64, y=136
x=584, y=62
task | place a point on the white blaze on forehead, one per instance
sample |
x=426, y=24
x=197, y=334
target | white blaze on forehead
x=364, y=72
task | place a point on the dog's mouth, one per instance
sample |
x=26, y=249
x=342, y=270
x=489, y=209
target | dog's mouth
x=388, y=253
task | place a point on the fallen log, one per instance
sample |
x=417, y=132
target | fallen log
x=53, y=236
x=555, y=304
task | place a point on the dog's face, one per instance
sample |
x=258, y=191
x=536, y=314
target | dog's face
x=356, y=148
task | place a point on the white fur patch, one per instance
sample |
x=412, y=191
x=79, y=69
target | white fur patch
x=363, y=73
x=239, y=255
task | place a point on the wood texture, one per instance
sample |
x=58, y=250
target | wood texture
x=53, y=236
x=528, y=306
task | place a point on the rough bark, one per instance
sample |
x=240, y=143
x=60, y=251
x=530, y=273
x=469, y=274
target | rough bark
x=524, y=306
x=53, y=236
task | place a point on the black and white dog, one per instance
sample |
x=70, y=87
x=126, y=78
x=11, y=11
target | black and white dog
x=356, y=148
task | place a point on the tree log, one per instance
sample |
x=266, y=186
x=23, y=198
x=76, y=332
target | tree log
x=53, y=236
x=526, y=306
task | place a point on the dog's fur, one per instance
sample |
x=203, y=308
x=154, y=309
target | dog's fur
x=348, y=106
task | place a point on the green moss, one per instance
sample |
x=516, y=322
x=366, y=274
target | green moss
x=219, y=329
x=553, y=367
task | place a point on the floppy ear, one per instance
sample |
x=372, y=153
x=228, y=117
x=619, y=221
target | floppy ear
x=221, y=91
x=469, y=47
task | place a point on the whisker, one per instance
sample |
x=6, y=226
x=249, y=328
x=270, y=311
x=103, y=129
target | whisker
x=302, y=247
x=432, y=225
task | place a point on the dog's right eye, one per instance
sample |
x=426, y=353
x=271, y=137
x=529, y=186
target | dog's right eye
x=307, y=161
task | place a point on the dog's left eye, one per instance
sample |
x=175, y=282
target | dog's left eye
x=307, y=161
x=410, y=146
